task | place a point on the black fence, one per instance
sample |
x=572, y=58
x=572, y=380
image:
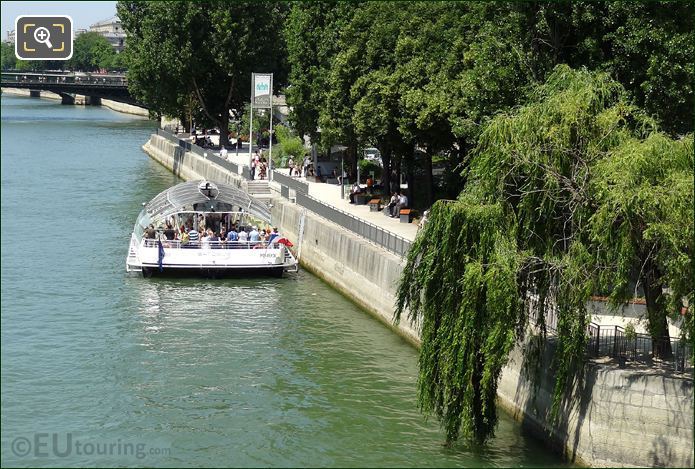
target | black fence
x=612, y=341
x=205, y=153
x=376, y=234
x=292, y=183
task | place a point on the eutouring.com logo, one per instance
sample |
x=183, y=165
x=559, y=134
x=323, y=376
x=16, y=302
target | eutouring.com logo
x=63, y=445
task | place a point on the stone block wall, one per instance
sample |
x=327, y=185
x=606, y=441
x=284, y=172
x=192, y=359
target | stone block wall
x=611, y=417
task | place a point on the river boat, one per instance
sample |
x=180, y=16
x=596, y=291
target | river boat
x=159, y=247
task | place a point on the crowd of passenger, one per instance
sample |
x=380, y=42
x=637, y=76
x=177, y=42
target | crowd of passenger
x=237, y=237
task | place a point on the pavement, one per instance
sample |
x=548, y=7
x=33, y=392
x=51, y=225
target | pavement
x=329, y=194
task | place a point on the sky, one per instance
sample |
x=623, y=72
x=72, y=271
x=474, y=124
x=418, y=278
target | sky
x=83, y=14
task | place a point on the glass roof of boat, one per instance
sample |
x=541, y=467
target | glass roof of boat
x=182, y=197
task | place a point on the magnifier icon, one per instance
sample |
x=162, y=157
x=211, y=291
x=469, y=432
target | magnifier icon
x=43, y=36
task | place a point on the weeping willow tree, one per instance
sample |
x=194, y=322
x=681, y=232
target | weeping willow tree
x=643, y=230
x=522, y=238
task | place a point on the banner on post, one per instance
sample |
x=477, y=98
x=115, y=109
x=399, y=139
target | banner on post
x=262, y=89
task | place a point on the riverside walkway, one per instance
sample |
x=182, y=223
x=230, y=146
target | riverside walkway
x=322, y=198
x=329, y=194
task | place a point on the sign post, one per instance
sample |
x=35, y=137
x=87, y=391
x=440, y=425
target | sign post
x=261, y=97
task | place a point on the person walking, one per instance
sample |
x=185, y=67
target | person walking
x=253, y=168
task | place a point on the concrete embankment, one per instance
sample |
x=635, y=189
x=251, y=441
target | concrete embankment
x=82, y=100
x=611, y=417
x=27, y=93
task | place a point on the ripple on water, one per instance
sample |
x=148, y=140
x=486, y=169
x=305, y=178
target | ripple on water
x=241, y=372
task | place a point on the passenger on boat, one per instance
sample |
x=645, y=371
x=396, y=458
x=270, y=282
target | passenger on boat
x=254, y=235
x=243, y=239
x=274, y=236
x=150, y=233
x=232, y=237
x=215, y=240
x=193, y=237
x=169, y=232
x=205, y=239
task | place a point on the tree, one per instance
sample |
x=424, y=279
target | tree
x=311, y=33
x=207, y=50
x=91, y=52
x=643, y=228
x=9, y=61
x=523, y=238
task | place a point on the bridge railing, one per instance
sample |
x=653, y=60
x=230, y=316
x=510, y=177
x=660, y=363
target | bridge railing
x=87, y=79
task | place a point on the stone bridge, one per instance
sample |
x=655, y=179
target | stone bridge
x=93, y=86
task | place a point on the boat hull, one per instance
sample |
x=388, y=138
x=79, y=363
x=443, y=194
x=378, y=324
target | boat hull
x=212, y=272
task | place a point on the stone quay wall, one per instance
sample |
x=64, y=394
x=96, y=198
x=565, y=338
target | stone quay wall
x=82, y=100
x=611, y=417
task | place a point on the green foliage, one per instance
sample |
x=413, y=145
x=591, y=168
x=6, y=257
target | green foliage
x=261, y=121
x=311, y=33
x=8, y=60
x=367, y=167
x=630, y=333
x=578, y=192
x=288, y=146
x=644, y=199
x=463, y=290
x=205, y=51
x=91, y=52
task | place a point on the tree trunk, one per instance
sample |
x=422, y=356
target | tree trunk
x=410, y=179
x=429, y=180
x=656, y=313
x=352, y=157
x=397, y=180
x=386, y=170
x=224, y=128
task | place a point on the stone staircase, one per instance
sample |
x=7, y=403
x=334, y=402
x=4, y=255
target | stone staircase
x=259, y=190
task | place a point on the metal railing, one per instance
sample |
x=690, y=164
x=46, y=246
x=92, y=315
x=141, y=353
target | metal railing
x=205, y=153
x=376, y=234
x=201, y=244
x=292, y=183
x=612, y=341
x=109, y=80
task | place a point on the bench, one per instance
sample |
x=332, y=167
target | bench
x=406, y=215
x=374, y=205
x=361, y=199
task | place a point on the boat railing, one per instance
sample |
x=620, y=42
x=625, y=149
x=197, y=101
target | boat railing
x=203, y=244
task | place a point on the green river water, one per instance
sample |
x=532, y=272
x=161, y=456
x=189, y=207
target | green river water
x=104, y=369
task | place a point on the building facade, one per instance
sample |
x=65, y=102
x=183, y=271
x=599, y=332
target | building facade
x=112, y=30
